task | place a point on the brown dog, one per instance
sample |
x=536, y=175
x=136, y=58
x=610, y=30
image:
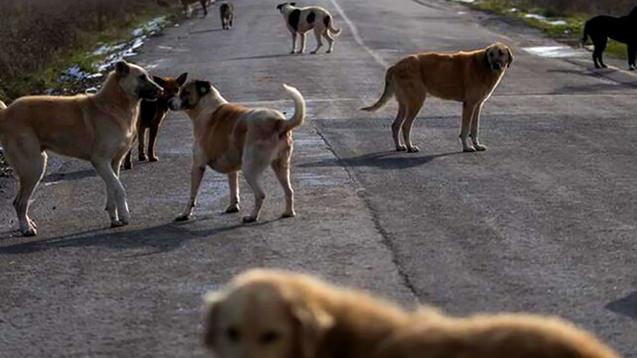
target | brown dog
x=229, y=138
x=98, y=128
x=278, y=314
x=151, y=116
x=467, y=77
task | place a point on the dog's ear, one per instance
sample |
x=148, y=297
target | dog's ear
x=293, y=3
x=510, y=60
x=203, y=87
x=160, y=81
x=279, y=7
x=182, y=79
x=212, y=302
x=122, y=68
x=312, y=324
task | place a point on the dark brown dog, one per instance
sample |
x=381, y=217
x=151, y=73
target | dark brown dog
x=151, y=116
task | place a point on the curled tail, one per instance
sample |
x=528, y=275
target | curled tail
x=2, y=105
x=388, y=92
x=330, y=25
x=299, y=109
x=585, y=35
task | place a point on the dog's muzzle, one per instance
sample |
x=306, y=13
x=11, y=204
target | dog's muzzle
x=174, y=103
x=151, y=94
x=496, y=66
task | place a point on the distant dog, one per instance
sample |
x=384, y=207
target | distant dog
x=151, y=116
x=226, y=11
x=304, y=19
x=622, y=29
x=279, y=314
x=467, y=77
x=98, y=128
x=230, y=138
x=204, y=5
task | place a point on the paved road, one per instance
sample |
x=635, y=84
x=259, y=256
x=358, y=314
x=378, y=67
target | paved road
x=543, y=222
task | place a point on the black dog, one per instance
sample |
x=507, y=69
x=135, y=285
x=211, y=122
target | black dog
x=622, y=29
x=227, y=15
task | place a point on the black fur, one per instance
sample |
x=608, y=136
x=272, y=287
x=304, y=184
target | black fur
x=294, y=18
x=311, y=17
x=326, y=20
x=227, y=15
x=622, y=29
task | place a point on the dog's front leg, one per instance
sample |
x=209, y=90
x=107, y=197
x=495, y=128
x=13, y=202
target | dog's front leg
x=475, y=126
x=303, y=39
x=196, y=175
x=116, y=197
x=293, y=42
x=632, y=56
x=467, y=115
x=233, y=182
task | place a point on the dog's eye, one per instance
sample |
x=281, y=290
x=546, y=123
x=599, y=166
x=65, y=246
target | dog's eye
x=269, y=337
x=233, y=334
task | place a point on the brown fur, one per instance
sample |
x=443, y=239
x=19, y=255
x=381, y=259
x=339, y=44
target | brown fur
x=98, y=128
x=467, y=77
x=279, y=314
x=230, y=138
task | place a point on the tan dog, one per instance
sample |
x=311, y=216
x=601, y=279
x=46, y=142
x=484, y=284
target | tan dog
x=493, y=336
x=98, y=128
x=230, y=137
x=278, y=314
x=467, y=77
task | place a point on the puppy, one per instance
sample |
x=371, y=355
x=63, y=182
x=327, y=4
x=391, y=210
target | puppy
x=301, y=20
x=277, y=314
x=151, y=116
x=230, y=137
x=98, y=128
x=467, y=77
x=226, y=11
x=492, y=336
x=622, y=29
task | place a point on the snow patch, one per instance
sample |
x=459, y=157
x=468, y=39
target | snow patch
x=554, y=51
x=545, y=19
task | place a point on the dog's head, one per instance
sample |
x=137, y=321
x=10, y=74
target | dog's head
x=190, y=95
x=264, y=314
x=280, y=7
x=171, y=86
x=499, y=56
x=633, y=13
x=136, y=82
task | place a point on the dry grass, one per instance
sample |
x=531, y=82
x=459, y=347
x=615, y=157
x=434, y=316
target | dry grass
x=40, y=37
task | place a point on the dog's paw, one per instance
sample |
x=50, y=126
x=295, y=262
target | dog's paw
x=249, y=219
x=118, y=223
x=128, y=166
x=290, y=214
x=153, y=158
x=29, y=232
x=469, y=149
x=182, y=218
x=413, y=149
x=632, y=68
x=142, y=158
x=329, y=51
x=401, y=148
x=480, y=147
x=233, y=208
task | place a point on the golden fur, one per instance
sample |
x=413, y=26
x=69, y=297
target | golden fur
x=279, y=314
x=98, y=128
x=230, y=138
x=467, y=77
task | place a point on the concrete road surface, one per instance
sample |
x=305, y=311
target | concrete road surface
x=544, y=221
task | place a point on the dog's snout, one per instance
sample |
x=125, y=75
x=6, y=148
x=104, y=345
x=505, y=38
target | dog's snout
x=174, y=103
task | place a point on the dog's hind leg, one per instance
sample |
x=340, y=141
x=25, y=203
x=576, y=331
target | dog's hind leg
x=319, y=42
x=475, y=126
x=29, y=163
x=330, y=40
x=598, y=52
x=196, y=175
x=632, y=54
x=293, y=42
x=281, y=168
x=397, y=125
x=128, y=162
x=412, y=111
x=303, y=39
x=233, y=183
x=255, y=159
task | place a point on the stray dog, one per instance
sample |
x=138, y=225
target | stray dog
x=226, y=11
x=303, y=19
x=278, y=314
x=204, y=5
x=467, y=77
x=98, y=128
x=230, y=138
x=151, y=116
x=622, y=29
x=493, y=336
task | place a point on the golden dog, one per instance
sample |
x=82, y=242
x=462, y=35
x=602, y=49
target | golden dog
x=467, y=77
x=278, y=314
x=98, y=128
x=229, y=138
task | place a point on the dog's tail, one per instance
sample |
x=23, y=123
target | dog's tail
x=329, y=23
x=2, y=105
x=388, y=93
x=299, y=109
x=585, y=35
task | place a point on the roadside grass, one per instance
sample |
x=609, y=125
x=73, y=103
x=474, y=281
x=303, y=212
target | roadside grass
x=81, y=54
x=570, y=32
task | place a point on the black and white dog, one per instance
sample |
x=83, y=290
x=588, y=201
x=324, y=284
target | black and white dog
x=303, y=19
x=622, y=29
x=226, y=11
